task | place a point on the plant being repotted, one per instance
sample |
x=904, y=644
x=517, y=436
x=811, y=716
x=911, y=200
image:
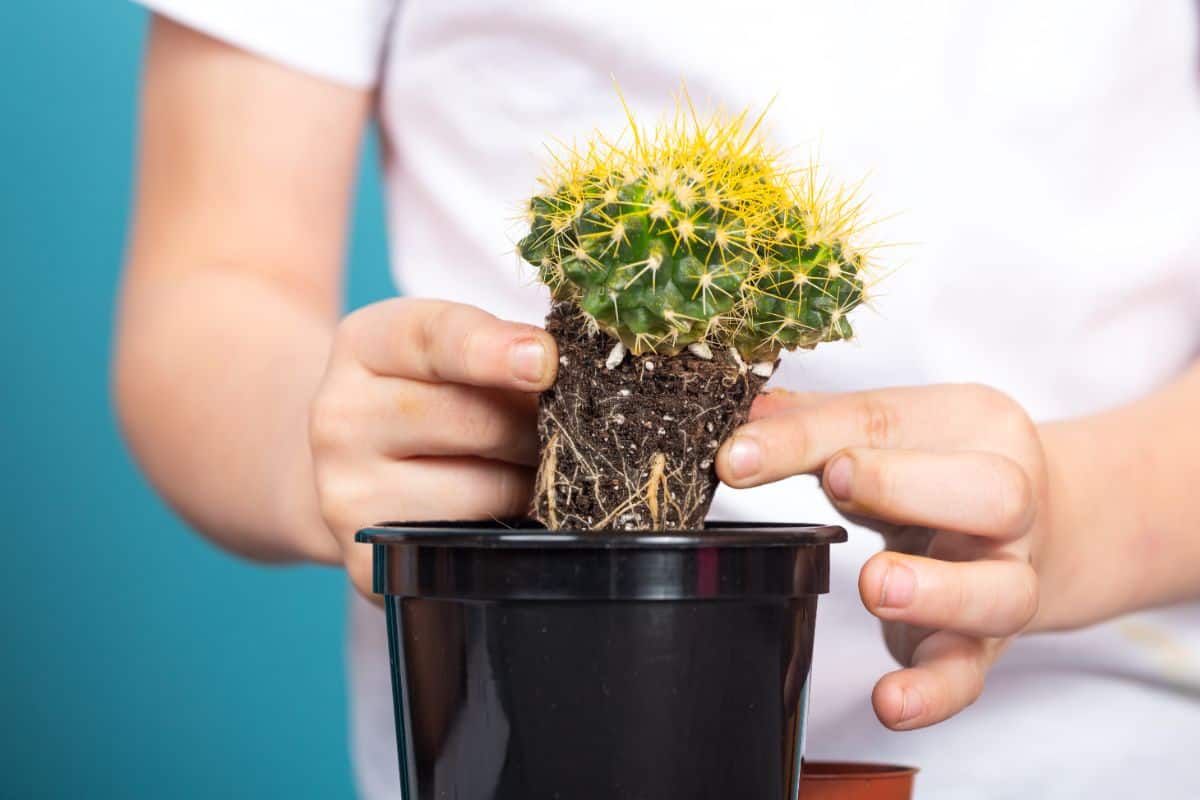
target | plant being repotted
x=622, y=648
x=680, y=266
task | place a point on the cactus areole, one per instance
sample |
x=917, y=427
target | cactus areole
x=681, y=261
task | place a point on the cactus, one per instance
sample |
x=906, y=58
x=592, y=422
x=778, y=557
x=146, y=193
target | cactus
x=692, y=239
x=699, y=234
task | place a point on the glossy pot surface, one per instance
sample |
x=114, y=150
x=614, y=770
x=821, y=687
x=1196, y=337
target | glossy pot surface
x=531, y=664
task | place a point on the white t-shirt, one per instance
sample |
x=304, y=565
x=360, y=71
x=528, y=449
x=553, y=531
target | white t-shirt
x=1045, y=159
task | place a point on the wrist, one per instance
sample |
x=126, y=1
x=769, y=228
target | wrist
x=1087, y=533
x=1116, y=538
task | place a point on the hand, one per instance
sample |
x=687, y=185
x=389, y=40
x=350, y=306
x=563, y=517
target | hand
x=955, y=478
x=426, y=412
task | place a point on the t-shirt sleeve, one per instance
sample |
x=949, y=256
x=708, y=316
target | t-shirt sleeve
x=340, y=40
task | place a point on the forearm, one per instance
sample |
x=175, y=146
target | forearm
x=215, y=369
x=1126, y=515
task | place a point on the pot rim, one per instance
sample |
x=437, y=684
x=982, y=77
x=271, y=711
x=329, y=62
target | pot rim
x=523, y=534
x=471, y=561
x=852, y=770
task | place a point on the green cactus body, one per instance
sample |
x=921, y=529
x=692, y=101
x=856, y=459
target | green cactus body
x=693, y=239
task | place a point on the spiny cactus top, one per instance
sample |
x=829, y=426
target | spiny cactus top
x=698, y=232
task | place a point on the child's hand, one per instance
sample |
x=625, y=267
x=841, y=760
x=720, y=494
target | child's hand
x=954, y=477
x=426, y=412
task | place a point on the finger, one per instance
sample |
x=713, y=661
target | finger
x=801, y=437
x=947, y=675
x=982, y=598
x=424, y=489
x=455, y=420
x=983, y=494
x=441, y=342
x=773, y=401
x=418, y=490
x=410, y=418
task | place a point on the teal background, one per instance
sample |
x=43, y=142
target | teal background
x=137, y=661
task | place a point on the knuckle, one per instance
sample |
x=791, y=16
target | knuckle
x=1004, y=414
x=389, y=312
x=982, y=396
x=966, y=672
x=505, y=488
x=349, y=331
x=1014, y=498
x=801, y=438
x=878, y=420
x=468, y=347
x=339, y=494
x=960, y=596
x=976, y=678
x=1015, y=423
x=959, y=679
x=425, y=340
x=516, y=493
x=493, y=497
x=1028, y=598
x=510, y=490
x=946, y=698
x=880, y=481
x=481, y=426
x=331, y=421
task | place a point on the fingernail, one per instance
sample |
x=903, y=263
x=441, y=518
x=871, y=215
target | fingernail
x=837, y=478
x=911, y=705
x=745, y=457
x=898, y=588
x=527, y=360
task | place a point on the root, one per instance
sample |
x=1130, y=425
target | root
x=547, y=469
x=657, y=466
x=632, y=447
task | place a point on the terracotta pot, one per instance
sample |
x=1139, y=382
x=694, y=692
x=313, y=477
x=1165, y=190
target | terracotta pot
x=837, y=780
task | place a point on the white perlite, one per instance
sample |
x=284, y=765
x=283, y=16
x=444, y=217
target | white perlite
x=737, y=359
x=615, y=356
x=700, y=350
x=763, y=369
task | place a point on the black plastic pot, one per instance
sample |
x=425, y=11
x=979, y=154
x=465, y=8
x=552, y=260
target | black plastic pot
x=544, y=665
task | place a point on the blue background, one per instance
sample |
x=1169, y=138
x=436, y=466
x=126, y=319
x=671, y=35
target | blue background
x=137, y=661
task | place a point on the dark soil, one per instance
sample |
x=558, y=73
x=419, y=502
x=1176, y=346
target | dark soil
x=632, y=448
